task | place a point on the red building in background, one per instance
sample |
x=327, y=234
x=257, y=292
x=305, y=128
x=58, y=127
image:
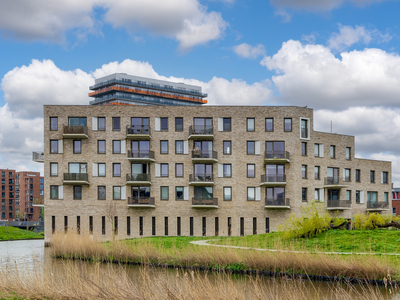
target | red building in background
x=396, y=201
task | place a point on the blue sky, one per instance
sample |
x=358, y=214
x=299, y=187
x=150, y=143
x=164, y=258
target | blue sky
x=340, y=57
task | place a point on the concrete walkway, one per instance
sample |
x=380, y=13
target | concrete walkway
x=205, y=243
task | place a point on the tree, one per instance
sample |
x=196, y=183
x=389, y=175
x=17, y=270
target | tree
x=375, y=220
x=111, y=211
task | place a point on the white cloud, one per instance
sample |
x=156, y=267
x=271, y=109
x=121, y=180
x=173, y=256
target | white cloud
x=349, y=36
x=248, y=51
x=286, y=17
x=318, y=5
x=311, y=75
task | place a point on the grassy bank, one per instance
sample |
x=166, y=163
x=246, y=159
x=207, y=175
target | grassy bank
x=375, y=241
x=18, y=234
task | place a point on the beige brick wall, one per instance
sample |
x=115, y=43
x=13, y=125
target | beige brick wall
x=237, y=208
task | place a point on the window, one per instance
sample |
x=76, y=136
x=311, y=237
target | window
x=103, y=225
x=90, y=224
x=227, y=193
x=347, y=175
x=269, y=124
x=140, y=225
x=227, y=147
x=77, y=192
x=385, y=177
x=304, y=171
x=164, y=124
x=117, y=193
x=304, y=129
x=166, y=226
x=316, y=171
x=178, y=226
x=304, y=148
x=101, y=121
x=164, y=147
x=250, y=124
x=101, y=192
x=332, y=151
x=251, y=193
x=227, y=124
x=128, y=225
x=304, y=194
x=77, y=147
x=139, y=125
x=65, y=224
x=348, y=153
x=164, y=170
x=394, y=211
x=348, y=195
x=53, y=169
x=101, y=169
x=101, y=147
x=77, y=168
x=178, y=124
x=358, y=175
x=372, y=176
x=178, y=147
x=357, y=196
x=191, y=226
x=227, y=170
x=275, y=149
x=116, y=147
x=318, y=150
x=76, y=121
x=216, y=226
x=204, y=226
x=229, y=226
x=251, y=170
x=53, y=123
x=317, y=194
x=179, y=192
x=254, y=225
x=117, y=170
x=241, y=226
x=178, y=170
x=385, y=196
x=288, y=124
x=53, y=146
x=251, y=147
x=54, y=192
x=116, y=123
x=164, y=193
x=372, y=196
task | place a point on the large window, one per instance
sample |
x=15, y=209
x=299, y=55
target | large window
x=101, y=123
x=227, y=147
x=140, y=125
x=347, y=175
x=179, y=170
x=53, y=123
x=116, y=192
x=117, y=170
x=77, y=192
x=275, y=149
x=275, y=173
x=250, y=124
x=227, y=124
x=385, y=177
x=304, y=129
x=164, y=147
x=101, y=192
x=53, y=169
x=101, y=146
x=205, y=192
x=164, y=124
x=178, y=147
x=77, y=168
x=77, y=121
x=251, y=170
x=116, y=147
x=101, y=169
x=77, y=147
x=53, y=146
x=288, y=124
x=179, y=192
x=203, y=125
x=251, y=193
x=116, y=123
x=140, y=148
x=269, y=124
x=227, y=193
x=164, y=170
x=372, y=196
x=275, y=196
x=164, y=193
x=54, y=192
x=178, y=124
x=251, y=147
x=227, y=170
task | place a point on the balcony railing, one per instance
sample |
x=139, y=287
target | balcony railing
x=75, y=130
x=38, y=157
x=377, y=205
x=141, y=201
x=201, y=130
x=138, y=177
x=276, y=155
x=201, y=178
x=339, y=203
x=205, y=201
x=76, y=177
x=143, y=154
x=138, y=129
x=38, y=201
x=204, y=154
x=273, y=178
x=277, y=201
x=335, y=181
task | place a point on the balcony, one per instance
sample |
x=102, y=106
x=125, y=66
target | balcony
x=205, y=156
x=141, y=202
x=201, y=179
x=140, y=156
x=273, y=180
x=377, y=206
x=37, y=201
x=75, y=132
x=201, y=133
x=198, y=202
x=38, y=157
x=138, y=179
x=338, y=204
x=335, y=182
x=76, y=178
x=138, y=132
x=275, y=203
x=276, y=157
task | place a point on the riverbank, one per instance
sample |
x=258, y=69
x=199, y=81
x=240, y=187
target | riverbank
x=15, y=234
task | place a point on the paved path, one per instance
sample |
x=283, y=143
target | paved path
x=205, y=243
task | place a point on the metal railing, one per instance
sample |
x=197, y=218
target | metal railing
x=38, y=201
x=76, y=176
x=138, y=177
x=140, y=154
x=141, y=201
x=333, y=181
x=276, y=155
x=277, y=201
x=204, y=154
x=37, y=156
x=375, y=204
x=75, y=129
x=338, y=203
x=273, y=178
x=201, y=178
x=204, y=201
x=201, y=130
x=138, y=129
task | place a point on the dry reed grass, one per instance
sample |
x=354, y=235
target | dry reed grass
x=365, y=267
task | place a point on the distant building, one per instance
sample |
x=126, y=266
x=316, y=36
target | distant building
x=396, y=201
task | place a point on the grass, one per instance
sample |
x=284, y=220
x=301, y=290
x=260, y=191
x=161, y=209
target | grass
x=18, y=234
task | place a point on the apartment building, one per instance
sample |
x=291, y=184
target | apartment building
x=396, y=201
x=198, y=170
x=8, y=199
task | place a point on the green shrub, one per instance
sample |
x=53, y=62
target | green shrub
x=372, y=220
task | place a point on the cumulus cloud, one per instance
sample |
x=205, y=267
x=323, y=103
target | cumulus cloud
x=318, y=5
x=311, y=75
x=187, y=21
x=248, y=51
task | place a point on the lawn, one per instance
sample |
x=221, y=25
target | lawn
x=18, y=234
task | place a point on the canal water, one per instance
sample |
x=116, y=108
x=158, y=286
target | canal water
x=32, y=255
